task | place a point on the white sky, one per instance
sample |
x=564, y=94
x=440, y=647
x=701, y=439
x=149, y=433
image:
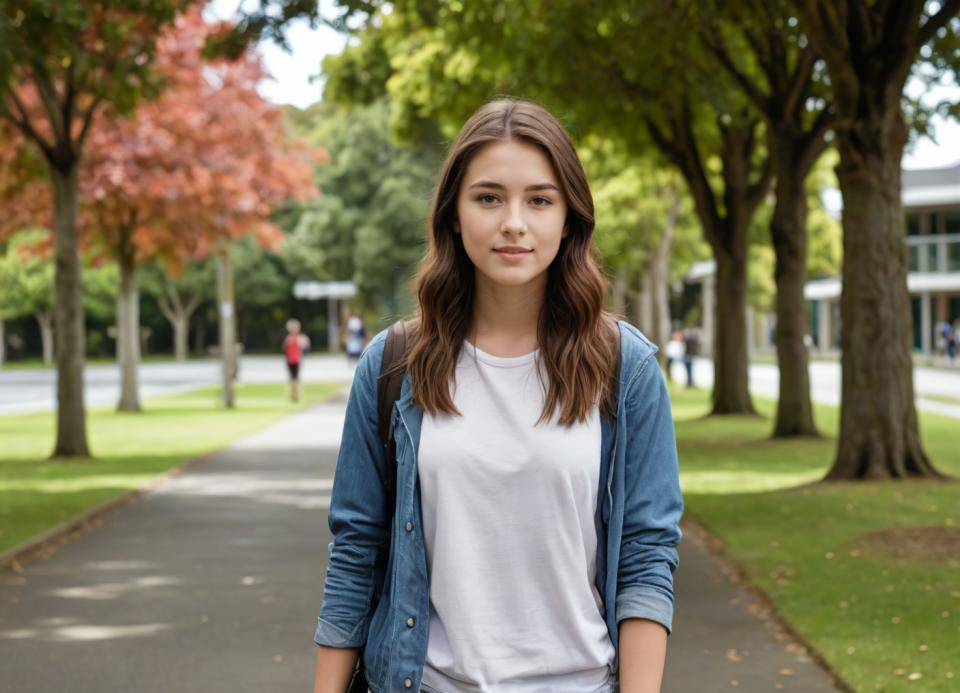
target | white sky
x=295, y=75
x=296, y=80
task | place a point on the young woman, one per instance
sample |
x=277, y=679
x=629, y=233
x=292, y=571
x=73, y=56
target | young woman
x=533, y=539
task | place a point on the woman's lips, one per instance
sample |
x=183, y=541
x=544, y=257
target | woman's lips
x=512, y=255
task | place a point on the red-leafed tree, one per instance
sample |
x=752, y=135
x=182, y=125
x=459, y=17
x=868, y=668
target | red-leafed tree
x=203, y=164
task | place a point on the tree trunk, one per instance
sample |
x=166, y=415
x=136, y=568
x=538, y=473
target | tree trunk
x=200, y=336
x=635, y=301
x=178, y=315
x=181, y=330
x=45, y=322
x=731, y=394
x=879, y=436
x=788, y=229
x=645, y=303
x=128, y=330
x=227, y=317
x=725, y=228
x=619, y=294
x=68, y=315
x=659, y=271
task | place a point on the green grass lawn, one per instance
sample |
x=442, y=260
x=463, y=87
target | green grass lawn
x=883, y=622
x=37, y=493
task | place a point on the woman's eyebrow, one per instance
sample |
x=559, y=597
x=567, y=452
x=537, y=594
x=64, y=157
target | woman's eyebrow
x=498, y=186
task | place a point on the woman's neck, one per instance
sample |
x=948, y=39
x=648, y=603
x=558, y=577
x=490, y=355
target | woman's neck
x=505, y=318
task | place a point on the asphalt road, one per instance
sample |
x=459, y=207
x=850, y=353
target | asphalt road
x=825, y=383
x=33, y=390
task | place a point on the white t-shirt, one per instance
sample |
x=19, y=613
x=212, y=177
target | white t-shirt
x=508, y=518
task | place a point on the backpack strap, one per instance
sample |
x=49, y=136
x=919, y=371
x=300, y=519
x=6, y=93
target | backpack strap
x=388, y=392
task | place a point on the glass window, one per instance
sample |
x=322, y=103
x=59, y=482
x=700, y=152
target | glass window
x=913, y=225
x=953, y=256
x=914, y=258
x=952, y=224
x=930, y=249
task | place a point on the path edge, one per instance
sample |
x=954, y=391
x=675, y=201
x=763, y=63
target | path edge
x=14, y=558
x=734, y=572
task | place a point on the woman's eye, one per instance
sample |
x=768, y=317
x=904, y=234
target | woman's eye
x=486, y=198
x=543, y=200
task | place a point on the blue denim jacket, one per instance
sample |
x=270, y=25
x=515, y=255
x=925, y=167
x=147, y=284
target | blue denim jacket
x=638, y=514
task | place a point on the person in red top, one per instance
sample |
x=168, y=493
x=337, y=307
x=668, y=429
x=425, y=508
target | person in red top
x=294, y=344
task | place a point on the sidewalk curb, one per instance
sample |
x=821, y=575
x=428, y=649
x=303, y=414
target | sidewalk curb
x=702, y=536
x=52, y=539
x=87, y=520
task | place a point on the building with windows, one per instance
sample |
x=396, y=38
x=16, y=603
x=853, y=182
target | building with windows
x=931, y=204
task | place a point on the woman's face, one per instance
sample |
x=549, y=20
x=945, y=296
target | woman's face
x=511, y=213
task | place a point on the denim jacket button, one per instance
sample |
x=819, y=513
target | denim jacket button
x=407, y=682
x=408, y=526
x=410, y=622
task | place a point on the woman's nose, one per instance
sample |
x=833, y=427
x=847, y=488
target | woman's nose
x=514, y=221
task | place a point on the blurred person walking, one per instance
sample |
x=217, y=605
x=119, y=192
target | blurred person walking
x=294, y=344
x=952, y=335
x=673, y=351
x=691, y=349
x=356, y=337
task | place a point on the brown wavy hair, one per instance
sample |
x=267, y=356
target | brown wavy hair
x=575, y=335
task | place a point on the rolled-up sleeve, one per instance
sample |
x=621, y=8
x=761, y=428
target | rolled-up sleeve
x=652, y=501
x=358, y=517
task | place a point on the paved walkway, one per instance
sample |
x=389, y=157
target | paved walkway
x=213, y=581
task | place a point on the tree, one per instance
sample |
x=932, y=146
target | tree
x=369, y=225
x=646, y=232
x=767, y=58
x=199, y=165
x=179, y=295
x=869, y=49
x=266, y=287
x=26, y=284
x=59, y=67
